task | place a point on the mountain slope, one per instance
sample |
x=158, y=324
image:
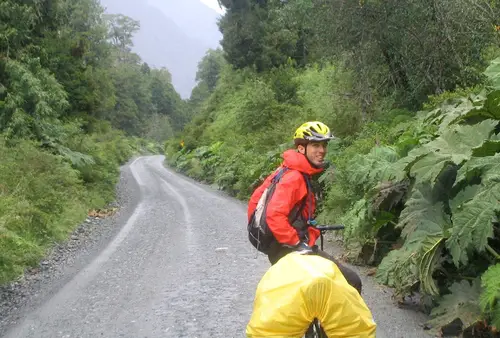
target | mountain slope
x=165, y=42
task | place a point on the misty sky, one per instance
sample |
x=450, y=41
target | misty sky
x=213, y=4
x=168, y=38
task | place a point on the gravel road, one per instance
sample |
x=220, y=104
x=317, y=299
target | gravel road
x=174, y=262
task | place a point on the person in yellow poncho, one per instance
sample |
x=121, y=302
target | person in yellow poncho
x=300, y=288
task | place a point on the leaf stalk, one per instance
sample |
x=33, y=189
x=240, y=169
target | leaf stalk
x=493, y=252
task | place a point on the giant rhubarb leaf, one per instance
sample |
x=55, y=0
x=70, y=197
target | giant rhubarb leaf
x=415, y=262
x=455, y=145
x=473, y=214
x=486, y=107
x=488, y=168
x=425, y=227
x=398, y=270
x=422, y=211
x=493, y=73
x=473, y=223
x=461, y=303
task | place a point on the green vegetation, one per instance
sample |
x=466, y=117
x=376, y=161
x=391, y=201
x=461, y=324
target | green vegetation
x=412, y=91
x=75, y=103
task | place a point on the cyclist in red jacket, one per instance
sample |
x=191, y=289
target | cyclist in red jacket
x=311, y=140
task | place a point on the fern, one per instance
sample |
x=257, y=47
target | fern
x=355, y=220
x=378, y=165
x=34, y=101
x=77, y=159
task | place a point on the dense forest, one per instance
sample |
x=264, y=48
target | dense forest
x=411, y=89
x=75, y=103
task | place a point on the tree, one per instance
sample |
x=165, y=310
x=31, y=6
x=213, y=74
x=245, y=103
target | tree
x=210, y=67
x=418, y=48
x=253, y=38
x=166, y=100
x=80, y=57
x=121, y=29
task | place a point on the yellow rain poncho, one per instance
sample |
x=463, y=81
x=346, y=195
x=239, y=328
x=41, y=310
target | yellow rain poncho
x=299, y=288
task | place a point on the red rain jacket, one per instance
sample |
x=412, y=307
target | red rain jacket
x=290, y=191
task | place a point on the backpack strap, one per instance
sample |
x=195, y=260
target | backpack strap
x=309, y=196
x=279, y=175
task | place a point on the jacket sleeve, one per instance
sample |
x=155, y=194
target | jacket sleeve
x=289, y=191
x=313, y=235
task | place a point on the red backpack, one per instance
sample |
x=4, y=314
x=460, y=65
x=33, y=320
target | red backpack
x=259, y=233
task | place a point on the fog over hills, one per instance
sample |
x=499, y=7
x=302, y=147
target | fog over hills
x=174, y=34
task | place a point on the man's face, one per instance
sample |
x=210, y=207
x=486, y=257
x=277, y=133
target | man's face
x=315, y=152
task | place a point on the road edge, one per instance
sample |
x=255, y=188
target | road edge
x=66, y=259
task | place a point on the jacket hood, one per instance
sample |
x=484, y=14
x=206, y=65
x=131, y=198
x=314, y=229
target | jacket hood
x=297, y=161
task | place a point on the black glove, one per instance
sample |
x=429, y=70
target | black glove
x=303, y=248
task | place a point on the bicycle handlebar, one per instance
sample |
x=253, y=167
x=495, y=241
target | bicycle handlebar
x=330, y=227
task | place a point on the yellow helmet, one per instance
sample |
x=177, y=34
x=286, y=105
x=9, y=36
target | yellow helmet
x=313, y=131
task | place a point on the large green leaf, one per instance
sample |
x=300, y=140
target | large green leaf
x=457, y=112
x=492, y=104
x=461, y=303
x=488, y=168
x=489, y=110
x=493, y=73
x=472, y=223
x=431, y=249
x=435, y=116
x=374, y=167
x=414, y=263
x=426, y=245
x=465, y=195
x=425, y=227
x=424, y=212
x=455, y=145
x=488, y=148
x=398, y=270
x=458, y=142
x=483, y=106
x=430, y=167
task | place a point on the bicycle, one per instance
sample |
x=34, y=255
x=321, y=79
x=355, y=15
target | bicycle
x=315, y=330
